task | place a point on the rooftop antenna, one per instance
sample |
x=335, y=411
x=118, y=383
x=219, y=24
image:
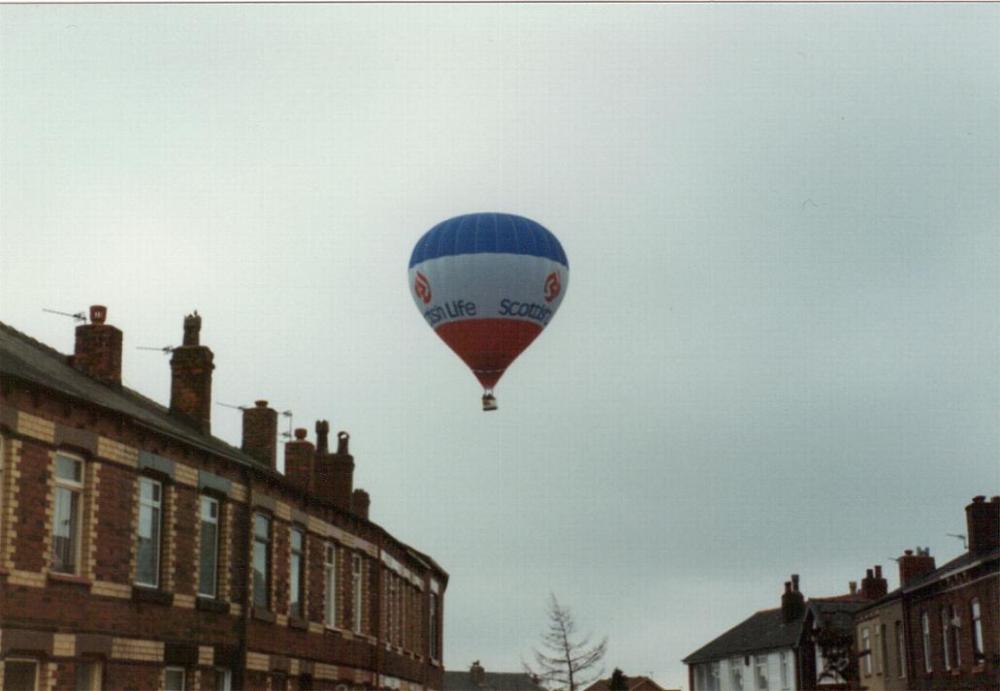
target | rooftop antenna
x=965, y=543
x=79, y=316
x=164, y=349
x=288, y=414
x=230, y=405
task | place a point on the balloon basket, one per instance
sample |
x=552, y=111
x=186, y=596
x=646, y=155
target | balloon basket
x=489, y=402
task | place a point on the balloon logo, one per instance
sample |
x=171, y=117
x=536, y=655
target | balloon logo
x=498, y=281
x=422, y=288
x=552, y=286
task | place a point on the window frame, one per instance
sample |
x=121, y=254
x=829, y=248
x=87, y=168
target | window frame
x=226, y=676
x=24, y=660
x=158, y=547
x=95, y=676
x=330, y=585
x=266, y=542
x=976, y=631
x=296, y=583
x=357, y=595
x=183, y=673
x=202, y=499
x=736, y=673
x=75, y=488
x=925, y=628
x=880, y=648
x=945, y=635
x=783, y=662
x=900, y=650
x=758, y=662
x=866, y=650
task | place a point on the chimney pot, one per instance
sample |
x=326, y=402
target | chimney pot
x=908, y=552
x=868, y=574
x=795, y=582
x=322, y=436
x=878, y=571
x=261, y=403
x=98, y=313
x=853, y=585
x=979, y=499
x=300, y=433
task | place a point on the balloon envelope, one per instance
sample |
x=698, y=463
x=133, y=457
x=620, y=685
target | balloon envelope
x=488, y=284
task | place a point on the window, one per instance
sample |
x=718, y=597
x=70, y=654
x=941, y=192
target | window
x=223, y=679
x=356, y=598
x=784, y=669
x=20, y=675
x=761, y=665
x=900, y=651
x=173, y=679
x=977, y=632
x=295, y=571
x=208, y=561
x=147, y=562
x=945, y=635
x=433, y=620
x=88, y=676
x=866, y=651
x=880, y=648
x=66, y=514
x=261, y=561
x=736, y=672
x=330, y=585
x=716, y=676
x=925, y=626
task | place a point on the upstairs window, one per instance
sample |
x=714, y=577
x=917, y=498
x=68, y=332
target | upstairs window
x=173, y=679
x=900, y=651
x=866, y=651
x=954, y=624
x=208, y=561
x=295, y=574
x=761, y=666
x=736, y=672
x=261, y=561
x=925, y=627
x=716, y=678
x=435, y=653
x=880, y=649
x=785, y=676
x=147, y=561
x=330, y=585
x=977, y=632
x=67, y=510
x=945, y=635
x=357, y=597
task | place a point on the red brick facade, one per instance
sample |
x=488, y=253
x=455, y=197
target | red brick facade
x=93, y=618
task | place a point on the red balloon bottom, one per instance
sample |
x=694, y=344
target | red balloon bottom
x=488, y=346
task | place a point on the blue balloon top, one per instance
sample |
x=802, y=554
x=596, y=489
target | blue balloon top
x=488, y=232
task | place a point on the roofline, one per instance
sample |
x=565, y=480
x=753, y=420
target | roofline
x=247, y=462
x=944, y=572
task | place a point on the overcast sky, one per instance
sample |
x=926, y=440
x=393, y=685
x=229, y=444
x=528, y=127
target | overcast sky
x=779, y=348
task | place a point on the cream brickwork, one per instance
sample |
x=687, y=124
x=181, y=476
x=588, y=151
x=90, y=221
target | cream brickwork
x=32, y=579
x=315, y=627
x=49, y=682
x=111, y=589
x=281, y=619
x=293, y=667
x=8, y=501
x=225, y=550
x=135, y=530
x=184, y=601
x=238, y=492
x=206, y=655
x=170, y=548
x=92, y=496
x=235, y=608
x=185, y=475
x=117, y=452
x=34, y=426
x=282, y=511
x=325, y=672
x=63, y=645
x=50, y=483
x=136, y=649
x=258, y=662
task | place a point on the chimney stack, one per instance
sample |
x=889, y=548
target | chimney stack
x=983, y=523
x=853, y=586
x=299, y=460
x=478, y=674
x=360, y=503
x=873, y=585
x=191, y=378
x=793, y=603
x=260, y=433
x=98, y=349
x=334, y=475
x=912, y=566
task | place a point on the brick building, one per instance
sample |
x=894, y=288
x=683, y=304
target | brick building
x=941, y=628
x=137, y=551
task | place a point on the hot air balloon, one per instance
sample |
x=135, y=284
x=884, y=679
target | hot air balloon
x=488, y=283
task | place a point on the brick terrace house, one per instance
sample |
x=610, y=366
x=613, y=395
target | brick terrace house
x=478, y=679
x=776, y=649
x=137, y=551
x=636, y=683
x=941, y=628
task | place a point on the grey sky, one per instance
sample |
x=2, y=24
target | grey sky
x=779, y=349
